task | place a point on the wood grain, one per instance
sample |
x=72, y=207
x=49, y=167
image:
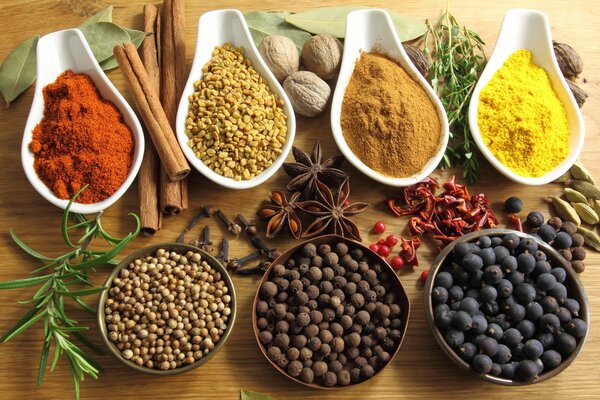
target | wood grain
x=419, y=371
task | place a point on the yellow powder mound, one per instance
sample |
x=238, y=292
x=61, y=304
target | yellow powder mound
x=521, y=119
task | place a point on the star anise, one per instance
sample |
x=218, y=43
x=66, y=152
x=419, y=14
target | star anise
x=332, y=212
x=310, y=169
x=281, y=212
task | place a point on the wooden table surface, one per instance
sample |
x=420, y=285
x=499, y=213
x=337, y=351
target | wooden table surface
x=420, y=369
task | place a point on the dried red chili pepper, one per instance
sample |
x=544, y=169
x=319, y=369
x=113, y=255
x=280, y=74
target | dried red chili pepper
x=408, y=250
x=516, y=221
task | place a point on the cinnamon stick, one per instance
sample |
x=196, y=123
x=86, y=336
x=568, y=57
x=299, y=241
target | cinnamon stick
x=173, y=195
x=151, y=111
x=149, y=175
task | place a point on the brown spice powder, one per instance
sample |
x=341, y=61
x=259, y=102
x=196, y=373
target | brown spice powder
x=387, y=118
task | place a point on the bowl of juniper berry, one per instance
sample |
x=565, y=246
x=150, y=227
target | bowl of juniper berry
x=506, y=307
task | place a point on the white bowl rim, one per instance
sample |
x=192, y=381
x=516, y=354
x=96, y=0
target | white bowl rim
x=260, y=66
x=487, y=74
x=121, y=104
x=340, y=90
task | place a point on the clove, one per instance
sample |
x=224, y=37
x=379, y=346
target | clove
x=272, y=254
x=260, y=267
x=235, y=263
x=208, y=210
x=249, y=227
x=223, y=255
x=190, y=225
x=180, y=238
x=205, y=242
x=231, y=226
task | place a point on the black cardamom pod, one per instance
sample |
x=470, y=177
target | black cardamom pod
x=418, y=58
x=569, y=61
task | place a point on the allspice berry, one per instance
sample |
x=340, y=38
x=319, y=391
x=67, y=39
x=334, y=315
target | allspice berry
x=319, y=368
x=307, y=375
x=294, y=368
x=280, y=55
x=330, y=379
x=322, y=54
x=343, y=377
x=268, y=289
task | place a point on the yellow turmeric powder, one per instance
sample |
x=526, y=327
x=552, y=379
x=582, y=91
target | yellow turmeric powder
x=521, y=119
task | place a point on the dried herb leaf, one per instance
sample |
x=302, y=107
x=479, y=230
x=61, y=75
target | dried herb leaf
x=136, y=37
x=103, y=37
x=18, y=70
x=250, y=395
x=104, y=15
x=263, y=24
x=332, y=20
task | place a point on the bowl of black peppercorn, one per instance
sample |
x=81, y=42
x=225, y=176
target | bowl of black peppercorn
x=506, y=307
x=330, y=313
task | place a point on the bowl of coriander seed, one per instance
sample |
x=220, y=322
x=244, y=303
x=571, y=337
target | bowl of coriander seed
x=169, y=308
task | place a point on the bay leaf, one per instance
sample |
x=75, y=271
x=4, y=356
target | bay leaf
x=136, y=37
x=103, y=37
x=104, y=15
x=263, y=24
x=332, y=20
x=250, y=395
x=18, y=70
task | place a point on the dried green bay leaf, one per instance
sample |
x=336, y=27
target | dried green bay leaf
x=250, y=395
x=18, y=71
x=104, y=15
x=103, y=37
x=263, y=24
x=332, y=20
x=136, y=37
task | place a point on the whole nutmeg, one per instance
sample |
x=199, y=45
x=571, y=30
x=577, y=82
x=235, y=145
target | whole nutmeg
x=280, y=55
x=322, y=54
x=308, y=93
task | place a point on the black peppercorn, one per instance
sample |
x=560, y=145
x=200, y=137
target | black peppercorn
x=307, y=375
x=265, y=337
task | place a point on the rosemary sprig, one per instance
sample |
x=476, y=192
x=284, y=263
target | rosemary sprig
x=457, y=60
x=66, y=276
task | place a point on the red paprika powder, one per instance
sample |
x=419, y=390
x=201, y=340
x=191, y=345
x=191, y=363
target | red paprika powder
x=82, y=140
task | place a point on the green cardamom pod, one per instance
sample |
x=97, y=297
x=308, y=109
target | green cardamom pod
x=574, y=196
x=590, y=238
x=581, y=173
x=587, y=214
x=565, y=211
x=563, y=178
x=596, y=207
x=587, y=189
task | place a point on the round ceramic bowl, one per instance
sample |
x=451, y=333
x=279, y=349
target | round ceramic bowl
x=216, y=28
x=373, y=30
x=146, y=251
x=56, y=53
x=373, y=257
x=573, y=284
x=530, y=30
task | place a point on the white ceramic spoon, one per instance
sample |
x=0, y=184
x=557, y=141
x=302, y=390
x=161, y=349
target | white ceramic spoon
x=216, y=28
x=56, y=53
x=530, y=30
x=372, y=30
